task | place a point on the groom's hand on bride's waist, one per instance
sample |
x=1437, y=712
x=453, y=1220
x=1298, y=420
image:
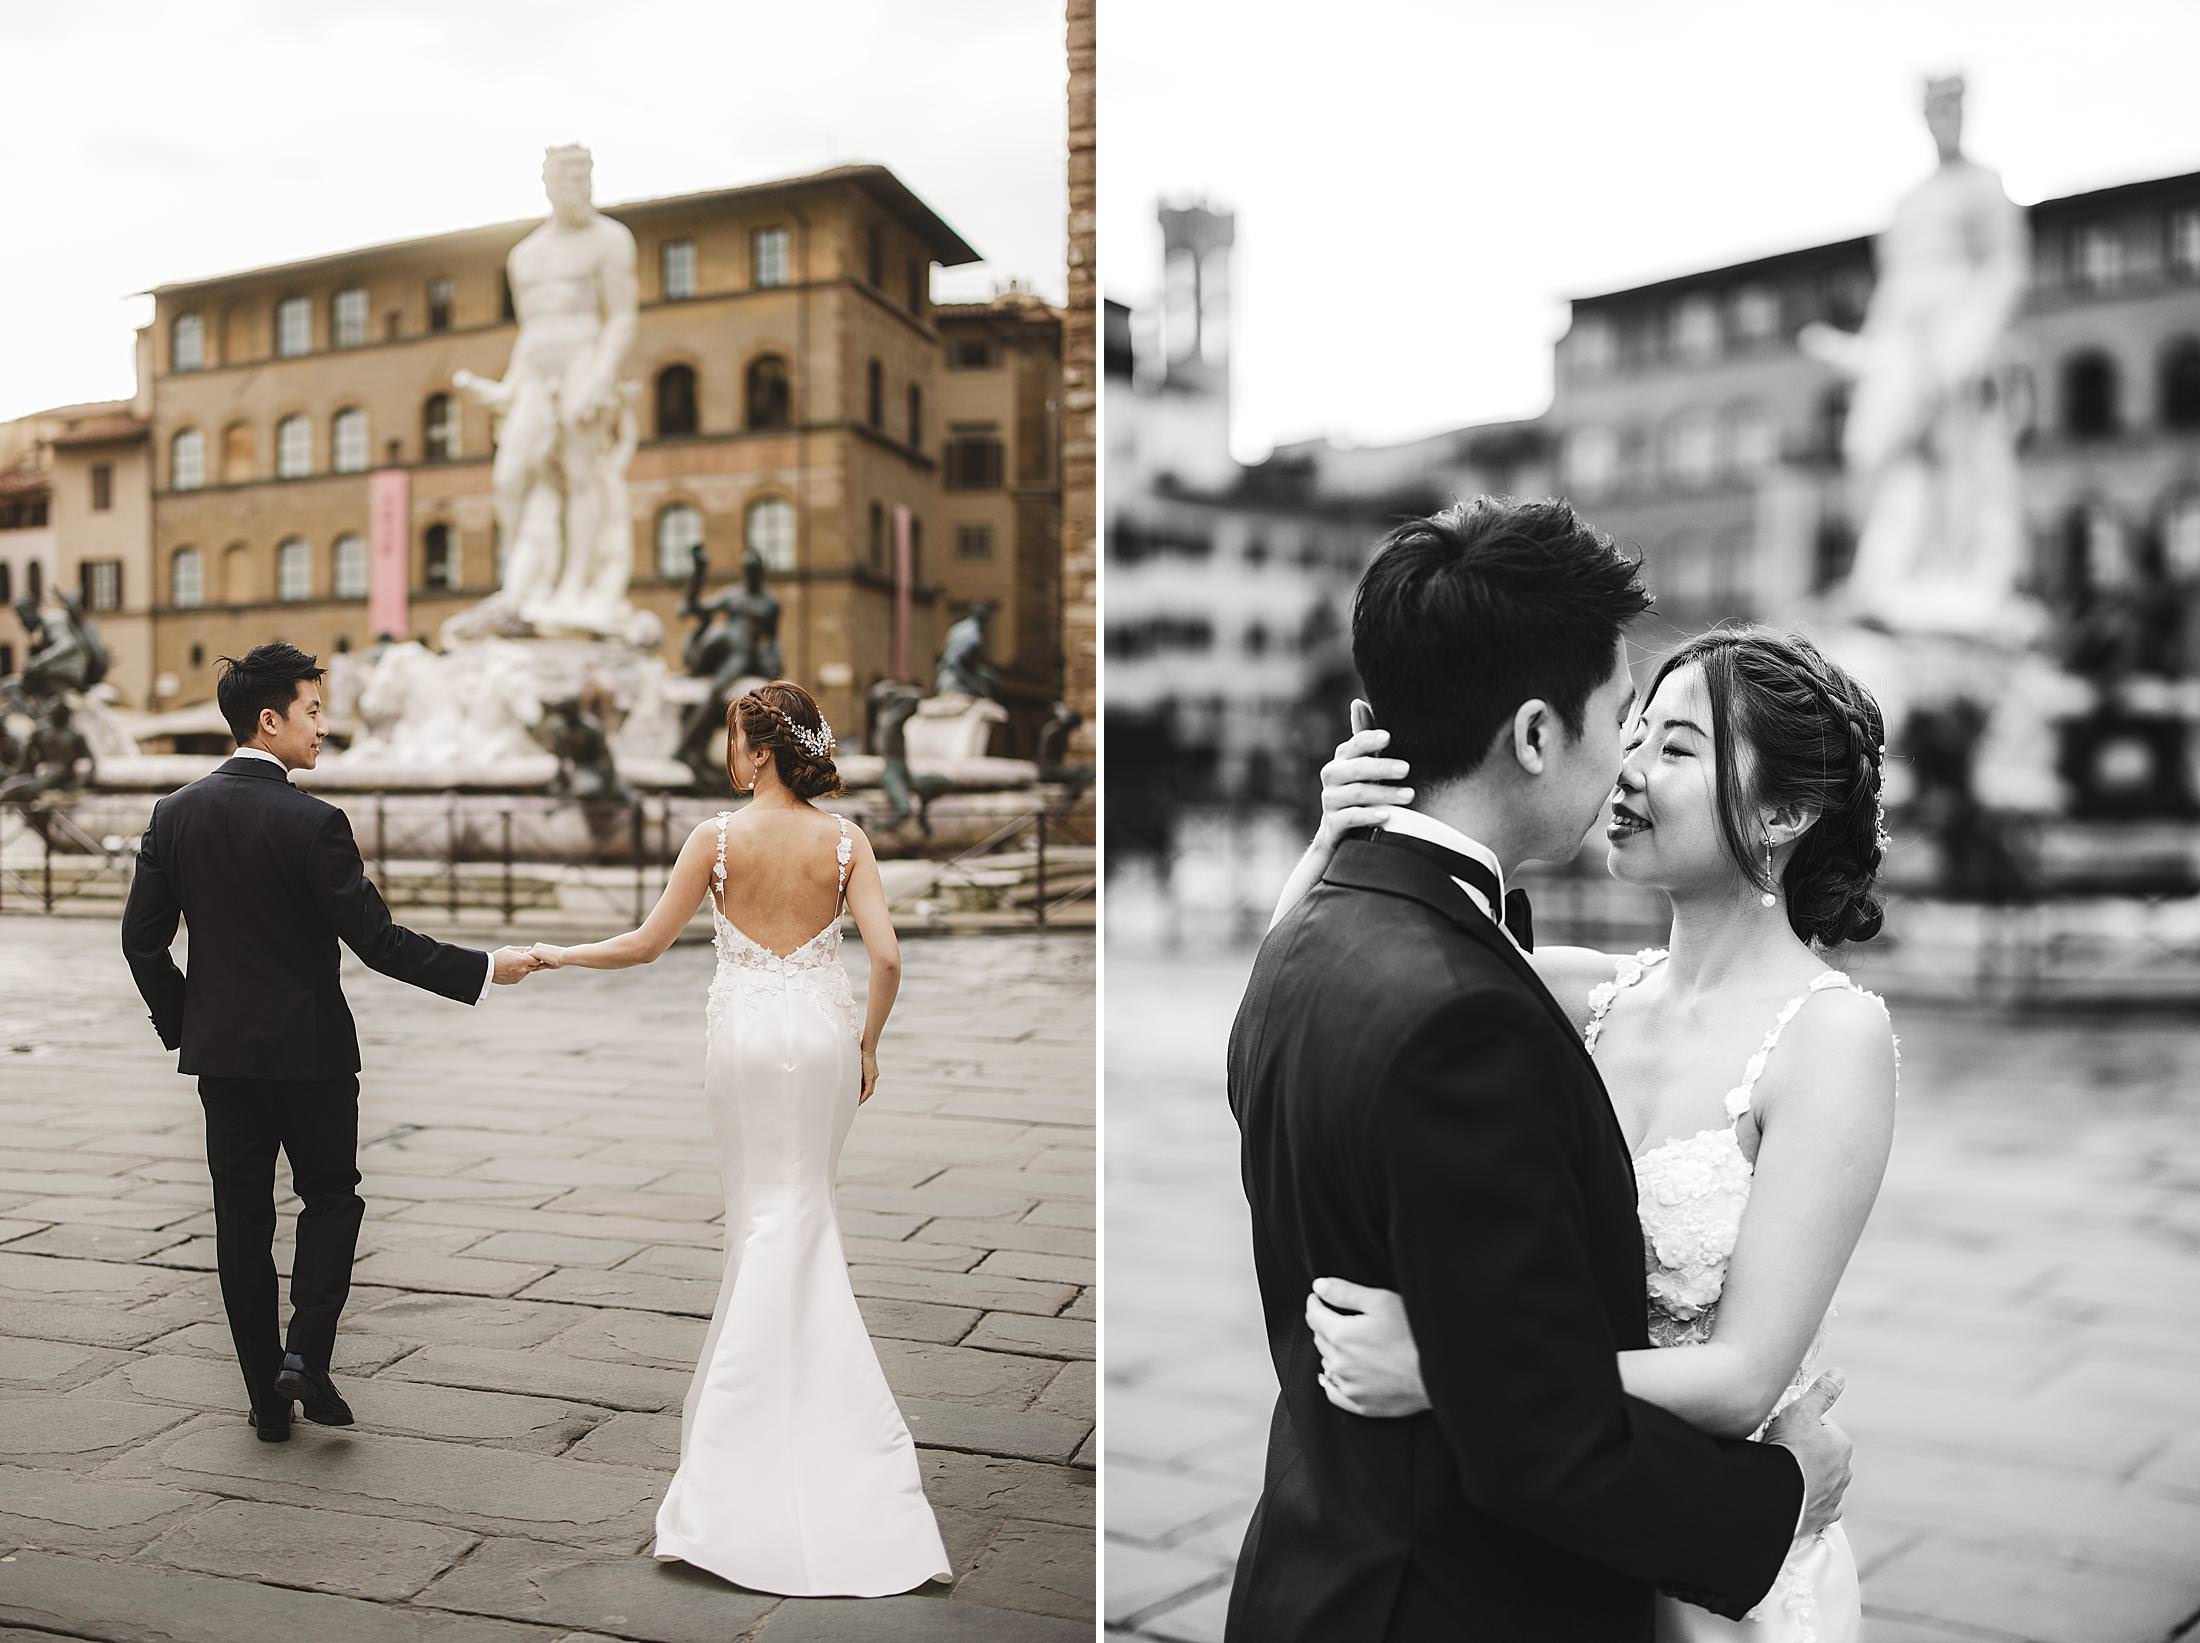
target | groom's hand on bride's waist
x=1821, y=1448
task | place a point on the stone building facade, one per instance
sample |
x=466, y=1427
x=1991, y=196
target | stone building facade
x=792, y=370
x=1081, y=393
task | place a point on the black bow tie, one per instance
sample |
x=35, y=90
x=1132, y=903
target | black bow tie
x=1518, y=918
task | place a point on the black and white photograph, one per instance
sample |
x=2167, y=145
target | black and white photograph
x=1651, y=686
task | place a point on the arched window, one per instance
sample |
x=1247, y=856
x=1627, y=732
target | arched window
x=2096, y=556
x=916, y=416
x=7, y=583
x=874, y=377
x=34, y=582
x=348, y=566
x=769, y=532
x=438, y=429
x=237, y=453
x=768, y=396
x=293, y=569
x=187, y=342
x=440, y=559
x=675, y=401
x=679, y=534
x=187, y=460
x=237, y=580
x=2180, y=383
x=347, y=317
x=186, y=579
x=348, y=441
x=293, y=448
x=2089, y=395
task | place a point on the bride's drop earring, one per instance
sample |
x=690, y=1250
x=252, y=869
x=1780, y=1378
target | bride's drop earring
x=1768, y=898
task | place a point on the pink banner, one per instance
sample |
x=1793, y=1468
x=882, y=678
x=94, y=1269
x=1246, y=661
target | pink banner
x=904, y=586
x=389, y=552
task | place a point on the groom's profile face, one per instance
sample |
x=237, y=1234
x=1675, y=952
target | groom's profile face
x=1583, y=768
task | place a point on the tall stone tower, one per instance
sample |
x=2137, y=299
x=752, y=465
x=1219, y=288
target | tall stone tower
x=1195, y=297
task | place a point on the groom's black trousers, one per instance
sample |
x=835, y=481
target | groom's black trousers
x=316, y=1124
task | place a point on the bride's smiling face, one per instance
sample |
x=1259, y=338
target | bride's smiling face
x=1663, y=819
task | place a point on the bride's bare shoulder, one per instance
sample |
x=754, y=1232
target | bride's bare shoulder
x=1570, y=974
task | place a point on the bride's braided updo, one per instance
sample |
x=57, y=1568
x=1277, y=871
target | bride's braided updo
x=1791, y=727
x=784, y=720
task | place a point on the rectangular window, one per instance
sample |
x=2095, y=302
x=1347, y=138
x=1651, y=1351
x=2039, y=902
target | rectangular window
x=348, y=318
x=293, y=327
x=439, y=305
x=103, y=487
x=2097, y=257
x=2184, y=242
x=769, y=254
x=103, y=584
x=970, y=354
x=973, y=541
x=187, y=351
x=679, y=269
x=974, y=458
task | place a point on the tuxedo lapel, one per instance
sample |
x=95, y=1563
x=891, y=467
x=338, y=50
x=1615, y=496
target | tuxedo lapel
x=1361, y=864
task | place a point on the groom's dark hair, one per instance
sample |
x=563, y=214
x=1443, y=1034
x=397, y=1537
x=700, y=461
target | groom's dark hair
x=1465, y=614
x=264, y=676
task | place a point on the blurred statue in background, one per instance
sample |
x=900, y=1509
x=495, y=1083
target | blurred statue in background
x=573, y=728
x=1931, y=431
x=964, y=671
x=65, y=654
x=736, y=639
x=45, y=748
x=565, y=422
x=891, y=704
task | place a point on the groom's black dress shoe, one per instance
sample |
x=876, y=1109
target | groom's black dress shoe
x=272, y=1426
x=318, y=1399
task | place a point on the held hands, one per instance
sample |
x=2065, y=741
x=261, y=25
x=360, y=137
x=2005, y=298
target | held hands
x=509, y=965
x=1821, y=1448
x=1370, y=1365
x=1359, y=786
x=547, y=957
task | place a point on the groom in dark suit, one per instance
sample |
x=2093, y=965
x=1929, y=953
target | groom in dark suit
x=268, y=879
x=1418, y=1114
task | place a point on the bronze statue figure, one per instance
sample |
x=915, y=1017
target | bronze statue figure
x=964, y=671
x=736, y=637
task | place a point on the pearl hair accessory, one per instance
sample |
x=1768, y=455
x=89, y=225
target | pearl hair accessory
x=818, y=743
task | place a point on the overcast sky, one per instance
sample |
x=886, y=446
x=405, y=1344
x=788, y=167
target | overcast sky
x=1419, y=186
x=151, y=142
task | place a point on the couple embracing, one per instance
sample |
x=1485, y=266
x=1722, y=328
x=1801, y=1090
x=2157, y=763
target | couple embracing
x=797, y=1474
x=1547, y=1238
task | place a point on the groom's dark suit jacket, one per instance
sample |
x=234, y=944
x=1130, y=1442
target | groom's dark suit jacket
x=1419, y=1114
x=268, y=878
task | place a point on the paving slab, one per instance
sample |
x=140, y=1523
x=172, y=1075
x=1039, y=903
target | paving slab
x=540, y=1254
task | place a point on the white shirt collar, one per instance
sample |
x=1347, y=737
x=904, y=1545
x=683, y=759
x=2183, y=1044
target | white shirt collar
x=262, y=753
x=1413, y=824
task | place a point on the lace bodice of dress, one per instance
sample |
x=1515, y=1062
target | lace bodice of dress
x=1691, y=1192
x=814, y=967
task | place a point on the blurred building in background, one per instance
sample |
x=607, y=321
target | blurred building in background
x=1686, y=421
x=798, y=389
x=74, y=517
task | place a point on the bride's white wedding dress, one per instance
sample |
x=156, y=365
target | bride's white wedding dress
x=1690, y=1196
x=797, y=1475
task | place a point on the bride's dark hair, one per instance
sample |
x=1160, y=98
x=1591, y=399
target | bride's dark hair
x=1814, y=737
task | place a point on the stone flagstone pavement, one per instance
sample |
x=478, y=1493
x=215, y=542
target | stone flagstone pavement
x=2020, y=1326
x=539, y=1256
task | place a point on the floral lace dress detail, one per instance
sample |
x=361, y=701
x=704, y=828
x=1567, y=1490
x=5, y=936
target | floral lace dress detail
x=1690, y=1196
x=748, y=971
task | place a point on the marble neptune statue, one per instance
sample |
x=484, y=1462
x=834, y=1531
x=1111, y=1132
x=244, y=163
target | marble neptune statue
x=566, y=422
x=1930, y=437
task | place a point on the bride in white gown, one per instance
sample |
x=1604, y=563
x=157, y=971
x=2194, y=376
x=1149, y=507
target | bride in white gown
x=1750, y=797
x=797, y=1474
